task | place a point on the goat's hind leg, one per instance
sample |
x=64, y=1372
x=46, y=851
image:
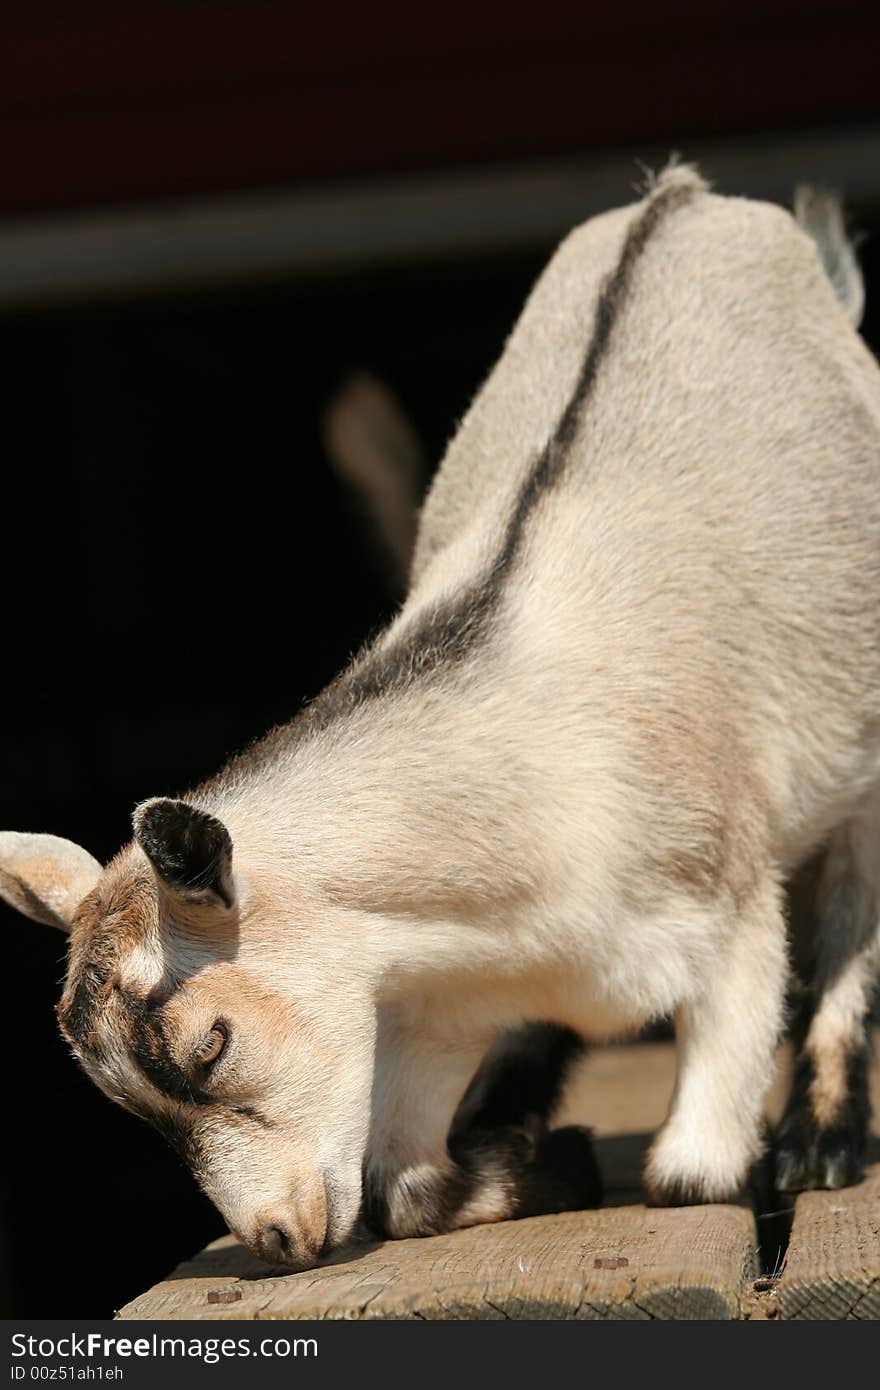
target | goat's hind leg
x=822, y=1138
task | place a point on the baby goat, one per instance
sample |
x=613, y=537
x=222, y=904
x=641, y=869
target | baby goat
x=635, y=685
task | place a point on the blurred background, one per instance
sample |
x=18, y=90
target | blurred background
x=212, y=213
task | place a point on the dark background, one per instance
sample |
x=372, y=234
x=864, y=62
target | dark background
x=180, y=567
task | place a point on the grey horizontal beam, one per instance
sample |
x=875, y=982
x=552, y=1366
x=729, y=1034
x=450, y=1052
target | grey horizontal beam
x=355, y=225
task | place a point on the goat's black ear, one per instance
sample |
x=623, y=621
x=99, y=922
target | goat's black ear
x=190, y=850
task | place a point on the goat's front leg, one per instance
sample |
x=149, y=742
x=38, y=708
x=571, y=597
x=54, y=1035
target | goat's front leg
x=726, y=1037
x=445, y=1153
x=411, y=1183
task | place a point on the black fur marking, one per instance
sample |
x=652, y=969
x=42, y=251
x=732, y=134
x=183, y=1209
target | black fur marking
x=374, y=1204
x=562, y=1176
x=151, y=1051
x=520, y=1080
x=190, y=850
x=448, y=633
x=807, y=1156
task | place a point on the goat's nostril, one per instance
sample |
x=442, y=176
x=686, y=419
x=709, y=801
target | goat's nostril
x=277, y=1244
x=281, y=1238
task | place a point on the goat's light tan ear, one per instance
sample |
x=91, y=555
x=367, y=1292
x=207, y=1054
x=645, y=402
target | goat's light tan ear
x=190, y=850
x=45, y=877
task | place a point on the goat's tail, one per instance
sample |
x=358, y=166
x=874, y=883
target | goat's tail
x=373, y=447
x=820, y=213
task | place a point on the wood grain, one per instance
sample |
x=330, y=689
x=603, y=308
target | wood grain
x=833, y=1265
x=618, y=1263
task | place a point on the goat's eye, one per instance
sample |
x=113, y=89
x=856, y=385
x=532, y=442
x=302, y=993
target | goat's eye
x=212, y=1046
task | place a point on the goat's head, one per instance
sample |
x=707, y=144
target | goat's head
x=195, y=1000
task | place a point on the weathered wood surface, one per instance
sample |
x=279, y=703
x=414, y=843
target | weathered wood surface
x=623, y=1261
x=833, y=1264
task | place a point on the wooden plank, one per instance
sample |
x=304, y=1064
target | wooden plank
x=618, y=1263
x=833, y=1265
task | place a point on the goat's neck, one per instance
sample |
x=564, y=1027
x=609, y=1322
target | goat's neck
x=416, y=810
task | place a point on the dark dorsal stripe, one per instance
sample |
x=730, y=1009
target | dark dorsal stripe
x=450, y=631
x=550, y=464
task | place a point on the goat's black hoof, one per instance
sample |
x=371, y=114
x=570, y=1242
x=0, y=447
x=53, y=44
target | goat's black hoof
x=563, y=1175
x=840, y=1158
x=805, y=1158
x=791, y=1167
